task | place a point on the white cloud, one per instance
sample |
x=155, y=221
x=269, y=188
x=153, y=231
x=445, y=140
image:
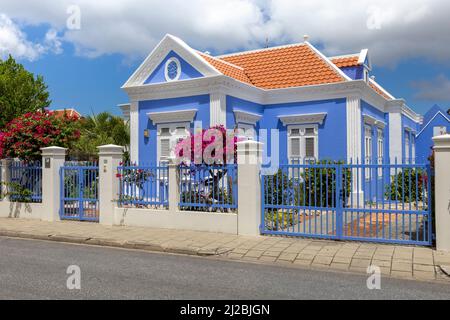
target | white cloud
x=437, y=89
x=13, y=41
x=392, y=30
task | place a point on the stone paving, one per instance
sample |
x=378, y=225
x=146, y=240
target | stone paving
x=409, y=262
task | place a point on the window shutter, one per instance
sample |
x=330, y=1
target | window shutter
x=309, y=147
x=295, y=147
x=165, y=148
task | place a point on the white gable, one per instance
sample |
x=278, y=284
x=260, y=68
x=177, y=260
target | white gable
x=167, y=44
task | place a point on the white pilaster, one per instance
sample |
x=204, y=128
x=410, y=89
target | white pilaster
x=174, y=187
x=354, y=136
x=395, y=137
x=134, y=131
x=217, y=114
x=52, y=160
x=249, y=192
x=110, y=157
x=442, y=191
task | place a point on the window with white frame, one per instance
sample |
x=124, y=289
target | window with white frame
x=168, y=137
x=246, y=131
x=380, y=150
x=368, y=148
x=303, y=143
x=407, y=146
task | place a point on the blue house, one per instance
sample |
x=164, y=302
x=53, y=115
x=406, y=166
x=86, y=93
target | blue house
x=323, y=107
x=435, y=122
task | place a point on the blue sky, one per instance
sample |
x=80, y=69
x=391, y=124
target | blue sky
x=84, y=68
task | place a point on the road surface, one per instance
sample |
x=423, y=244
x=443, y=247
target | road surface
x=32, y=269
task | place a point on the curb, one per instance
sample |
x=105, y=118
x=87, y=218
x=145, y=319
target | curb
x=103, y=242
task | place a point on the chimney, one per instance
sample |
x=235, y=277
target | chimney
x=207, y=52
x=372, y=77
x=305, y=37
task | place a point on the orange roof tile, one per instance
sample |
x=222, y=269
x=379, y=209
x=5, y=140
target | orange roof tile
x=69, y=112
x=227, y=68
x=280, y=67
x=349, y=61
x=379, y=91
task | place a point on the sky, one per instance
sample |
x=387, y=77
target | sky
x=86, y=50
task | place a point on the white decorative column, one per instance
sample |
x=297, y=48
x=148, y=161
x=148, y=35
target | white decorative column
x=134, y=131
x=110, y=157
x=249, y=187
x=6, y=177
x=217, y=109
x=395, y=137
x=354, y=148
x=442, y=191
x=52, y=160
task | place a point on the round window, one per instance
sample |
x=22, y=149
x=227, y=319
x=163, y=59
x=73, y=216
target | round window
x=173, y=69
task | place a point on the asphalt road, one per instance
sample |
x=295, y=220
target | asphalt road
x=32, y=269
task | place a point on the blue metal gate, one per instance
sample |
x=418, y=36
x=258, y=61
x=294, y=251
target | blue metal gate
x=362, y=202
x=79, y=192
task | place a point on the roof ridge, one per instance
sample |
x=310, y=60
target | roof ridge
x=381, y=88
x=342, y=56
x=260, y=50
x=326, y=60
x=220, y=60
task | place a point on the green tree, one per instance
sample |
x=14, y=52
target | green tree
x=20, y=91
x=97, y=130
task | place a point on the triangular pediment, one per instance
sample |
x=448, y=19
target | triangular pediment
x=170, y=45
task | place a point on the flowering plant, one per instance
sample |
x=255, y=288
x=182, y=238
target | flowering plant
x=24, y=136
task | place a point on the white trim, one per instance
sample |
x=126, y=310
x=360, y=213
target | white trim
x=125, y=107
x=307, y=118
x=134, y=131
x=159, y=53
x=431, y=120
x=373, y=121
x=363, y=55
x=261, y=50
x=238, y=89
x=381, y=88
x=166, y=69
x=218, y=109
x=172, y=116
x=354, y=151
x=246, y=117
x=395, y=137
x=302, y=140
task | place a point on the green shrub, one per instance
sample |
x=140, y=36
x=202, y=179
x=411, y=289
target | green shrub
x=403, y=186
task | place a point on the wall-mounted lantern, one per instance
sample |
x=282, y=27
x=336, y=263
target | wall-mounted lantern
x=146, y=133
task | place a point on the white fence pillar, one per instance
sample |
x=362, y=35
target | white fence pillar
x=110, y=157
x=52, y=160
x=249, y=187
x=174, y=187
x=442, y=191
x=6, y=177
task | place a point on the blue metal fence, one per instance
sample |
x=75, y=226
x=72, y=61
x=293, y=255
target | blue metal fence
x=208, y=187
x=143, y=186
x=79, y=192
x=365, y=202
x=25, y=181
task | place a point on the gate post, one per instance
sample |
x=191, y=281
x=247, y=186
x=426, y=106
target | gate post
x=249, y=154
x=174, y=187
x=110, y=157
x=442, y=191
x=6, y=177
x=52, y=160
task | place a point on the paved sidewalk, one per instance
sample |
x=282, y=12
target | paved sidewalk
x=418, y=263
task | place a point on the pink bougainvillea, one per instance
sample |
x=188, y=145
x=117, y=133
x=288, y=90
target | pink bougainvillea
x=216, y=145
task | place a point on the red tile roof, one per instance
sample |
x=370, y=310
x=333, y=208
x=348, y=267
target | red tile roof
x=379, y=91
x=348, y=61
x=278, y=67
x=227, y=69
x=70, y=112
